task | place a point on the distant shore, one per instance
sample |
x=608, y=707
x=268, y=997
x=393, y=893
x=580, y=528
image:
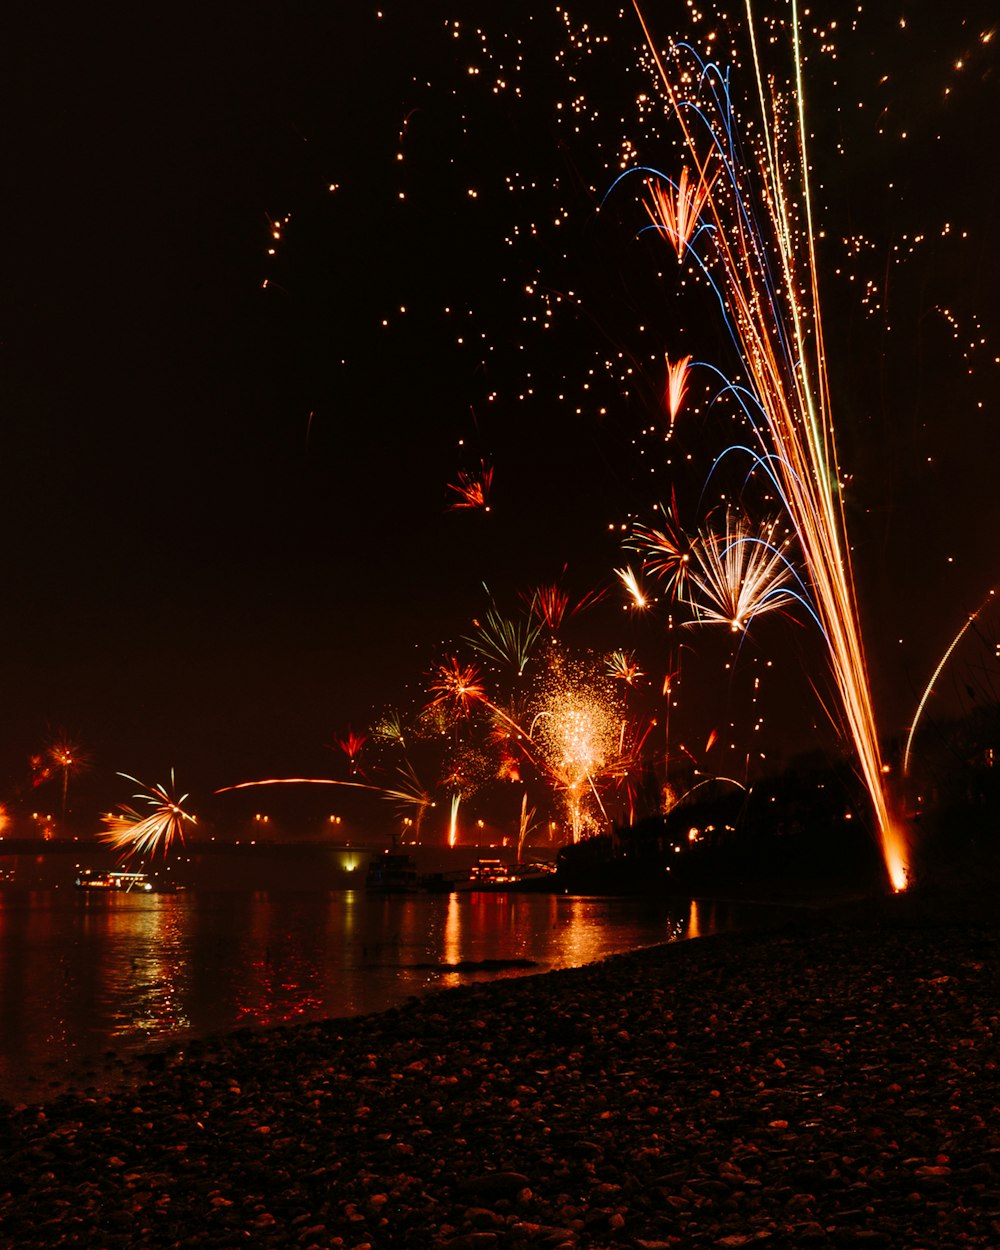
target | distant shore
x=833, y=1081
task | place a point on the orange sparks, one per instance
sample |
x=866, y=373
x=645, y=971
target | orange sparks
x=676, y=210
x=630, y=580
x=676, y=388
x=351, y=746
x=778, y=324
x=457, y=686
x=623, y=667
x=473, y=490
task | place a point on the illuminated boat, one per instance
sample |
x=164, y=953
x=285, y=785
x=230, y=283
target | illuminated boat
x=392, y=873
x=114, y=881
x=490, y=872
x=494, y=874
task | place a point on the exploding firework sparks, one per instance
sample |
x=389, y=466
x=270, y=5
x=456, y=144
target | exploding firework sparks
x=630, y=580
x=762, y=267
x=65, y=758
x=577, y=735
x=623, y=667
x=473, y=490
x=676, y=208
x=389, y=728
x=139, y=833
x=351, y=746
x=677, y=371
x=505, y=641
x=666, y=550
x=457, y=686
x=738, y=576
x=552, y=605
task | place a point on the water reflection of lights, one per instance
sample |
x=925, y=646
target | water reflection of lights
x=145, y=984
x=78, y=976
x=453, y=931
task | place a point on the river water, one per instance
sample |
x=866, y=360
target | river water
x=86, y=982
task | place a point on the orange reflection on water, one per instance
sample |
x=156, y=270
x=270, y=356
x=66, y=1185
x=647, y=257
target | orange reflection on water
x=280, y=978
x=139, y=986
x=453, y=931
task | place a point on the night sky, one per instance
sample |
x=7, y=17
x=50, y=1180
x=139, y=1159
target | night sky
x=226, y=489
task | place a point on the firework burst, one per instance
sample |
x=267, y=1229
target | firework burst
x=456, y=686
x=737, y=576
x=675, y=208
x=473, y=490
x=506, y=641
x=666, y=550
x=351, y=745
x=161, y=823
x=760, y=262
x=630, y=580
x=623, y=667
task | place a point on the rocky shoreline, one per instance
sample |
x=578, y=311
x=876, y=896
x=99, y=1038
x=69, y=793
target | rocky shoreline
x=832, y=1082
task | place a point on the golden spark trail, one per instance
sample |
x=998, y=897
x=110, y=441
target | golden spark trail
x=400, y=795
x=777, y=325
x=934, y=676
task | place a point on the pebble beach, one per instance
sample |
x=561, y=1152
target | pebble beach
x=832, y=1081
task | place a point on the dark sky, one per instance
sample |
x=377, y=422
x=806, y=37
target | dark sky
x=225, y=502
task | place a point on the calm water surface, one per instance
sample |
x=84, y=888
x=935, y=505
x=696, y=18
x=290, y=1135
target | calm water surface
x=81, y=977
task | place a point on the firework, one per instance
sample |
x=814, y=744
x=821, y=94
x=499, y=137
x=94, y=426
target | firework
x=135, y=832
x=456, y=798
x=576, y=732
x=65, y=758
x=508, y=642
x=525, y=824
x=351, y=746
x=675, y=208
x=552, y=605
x=676, y=388
x=389, y=728
x=929, y=688
x=760, y=262
x=456, y=686
x=630, y=580
x=666, y=550
x=401, y=796
x=473, y=490
x=623, y=667
x=568, y=730
x=737, y=576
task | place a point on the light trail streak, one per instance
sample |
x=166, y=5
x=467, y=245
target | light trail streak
x=929, y=689
x=630, y=580
x=765, y=277
x=402, y=796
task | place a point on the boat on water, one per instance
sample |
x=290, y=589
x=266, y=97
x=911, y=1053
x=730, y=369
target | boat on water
x=118, y=881
x=494, y=874
x=392, y=872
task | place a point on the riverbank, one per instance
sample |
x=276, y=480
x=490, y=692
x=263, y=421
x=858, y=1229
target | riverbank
x=831, y=1082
